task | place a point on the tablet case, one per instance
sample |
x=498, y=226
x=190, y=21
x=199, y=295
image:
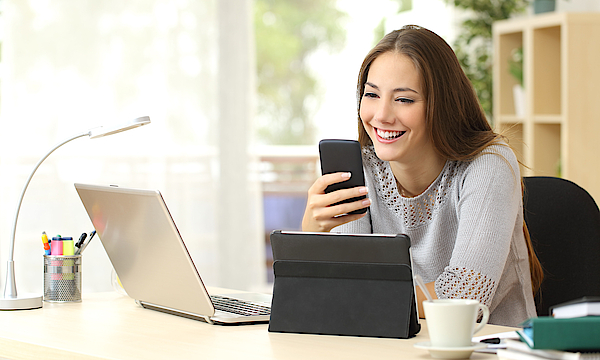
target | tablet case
x=336, y=284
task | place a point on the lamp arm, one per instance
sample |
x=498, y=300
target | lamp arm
x=10, y=289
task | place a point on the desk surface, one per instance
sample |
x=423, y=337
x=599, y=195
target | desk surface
x=112, y=326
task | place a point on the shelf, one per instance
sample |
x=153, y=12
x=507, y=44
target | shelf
x=546, y=74
x=510, y=42
x=510, y=119
x=557, y=134
x=546, y=150
x=547, y=119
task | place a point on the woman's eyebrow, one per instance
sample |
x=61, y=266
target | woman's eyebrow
x=399, y=89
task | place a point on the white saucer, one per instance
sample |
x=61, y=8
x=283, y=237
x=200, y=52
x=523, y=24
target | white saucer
x=450, y=352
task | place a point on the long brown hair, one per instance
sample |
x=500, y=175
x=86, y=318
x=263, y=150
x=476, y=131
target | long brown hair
x=454, y=118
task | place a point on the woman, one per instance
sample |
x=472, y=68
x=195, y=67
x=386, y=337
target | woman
x=436, y=171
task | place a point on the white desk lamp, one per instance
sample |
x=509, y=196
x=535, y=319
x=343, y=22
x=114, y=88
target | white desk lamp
x=10, y=300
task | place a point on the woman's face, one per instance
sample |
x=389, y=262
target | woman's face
x=392, y=110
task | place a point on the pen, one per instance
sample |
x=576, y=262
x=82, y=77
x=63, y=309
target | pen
x=80, y=241
x=80, y=250
x=491, y=341
x=45, y=242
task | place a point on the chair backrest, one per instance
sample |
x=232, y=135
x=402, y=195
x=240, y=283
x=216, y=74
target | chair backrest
x=564, y=224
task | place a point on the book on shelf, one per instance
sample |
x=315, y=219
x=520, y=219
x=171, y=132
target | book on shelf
x=517, y=350
x=574, y=334
x=585, y=306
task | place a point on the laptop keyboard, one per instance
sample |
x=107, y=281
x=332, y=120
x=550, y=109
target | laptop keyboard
x=240, y=307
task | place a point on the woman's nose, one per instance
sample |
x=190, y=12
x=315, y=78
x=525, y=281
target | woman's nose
x=384, y=112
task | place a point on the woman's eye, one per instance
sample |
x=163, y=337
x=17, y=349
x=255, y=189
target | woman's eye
x=370, y=95
x=405, y=100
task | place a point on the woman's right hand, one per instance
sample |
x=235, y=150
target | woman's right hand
x=321, y=215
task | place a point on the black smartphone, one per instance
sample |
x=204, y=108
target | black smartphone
x=343, y=156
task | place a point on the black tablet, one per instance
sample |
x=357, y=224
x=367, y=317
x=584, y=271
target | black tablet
x=343, y=284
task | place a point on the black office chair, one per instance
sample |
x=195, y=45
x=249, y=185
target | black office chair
x=564, y=224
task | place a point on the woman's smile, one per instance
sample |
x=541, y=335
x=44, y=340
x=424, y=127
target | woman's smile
x=388, y=136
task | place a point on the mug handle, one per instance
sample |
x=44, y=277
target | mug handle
x=484, y=319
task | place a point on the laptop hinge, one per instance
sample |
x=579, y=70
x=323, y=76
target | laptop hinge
x=168, y=310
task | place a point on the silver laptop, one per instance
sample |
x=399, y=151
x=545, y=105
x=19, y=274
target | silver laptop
x=152, y=261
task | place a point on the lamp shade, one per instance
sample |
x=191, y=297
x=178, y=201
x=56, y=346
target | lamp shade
x=102, y=131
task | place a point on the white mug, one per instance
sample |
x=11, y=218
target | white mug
x=452, y=322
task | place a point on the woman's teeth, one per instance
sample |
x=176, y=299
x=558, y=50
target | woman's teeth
x=389, y=135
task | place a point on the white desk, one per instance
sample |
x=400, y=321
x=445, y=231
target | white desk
x=112, y=326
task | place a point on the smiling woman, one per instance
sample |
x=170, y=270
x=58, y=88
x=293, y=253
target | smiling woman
x=436, y=171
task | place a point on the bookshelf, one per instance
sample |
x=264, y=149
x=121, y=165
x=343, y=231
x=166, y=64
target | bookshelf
x=559, y=132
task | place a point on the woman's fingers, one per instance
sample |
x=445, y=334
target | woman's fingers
x=319, y=186
x=324, y=211
x=327, y=225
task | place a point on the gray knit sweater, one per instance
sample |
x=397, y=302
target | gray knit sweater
x=466, y=230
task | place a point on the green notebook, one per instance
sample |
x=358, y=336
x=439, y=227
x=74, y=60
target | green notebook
x=576, y=334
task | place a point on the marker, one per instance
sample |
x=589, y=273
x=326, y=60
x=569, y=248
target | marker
x=56, y=245
x=68, y=247
x=46, y=244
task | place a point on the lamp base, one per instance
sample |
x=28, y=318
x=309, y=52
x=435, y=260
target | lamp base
x=21, y=302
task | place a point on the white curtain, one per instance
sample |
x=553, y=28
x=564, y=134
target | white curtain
x=68, y=66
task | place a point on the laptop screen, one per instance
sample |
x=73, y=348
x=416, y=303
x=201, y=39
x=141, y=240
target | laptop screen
x=145, y=247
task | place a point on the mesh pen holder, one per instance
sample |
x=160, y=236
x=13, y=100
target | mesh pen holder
x=62, y=278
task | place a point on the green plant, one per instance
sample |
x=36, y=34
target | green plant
x=515, y=64
x=473, y=46
x=287, y=32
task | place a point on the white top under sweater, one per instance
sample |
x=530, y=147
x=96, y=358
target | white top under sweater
x=466, y=230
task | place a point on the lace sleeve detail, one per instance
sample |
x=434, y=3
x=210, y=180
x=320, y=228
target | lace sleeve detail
x=461, y=283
